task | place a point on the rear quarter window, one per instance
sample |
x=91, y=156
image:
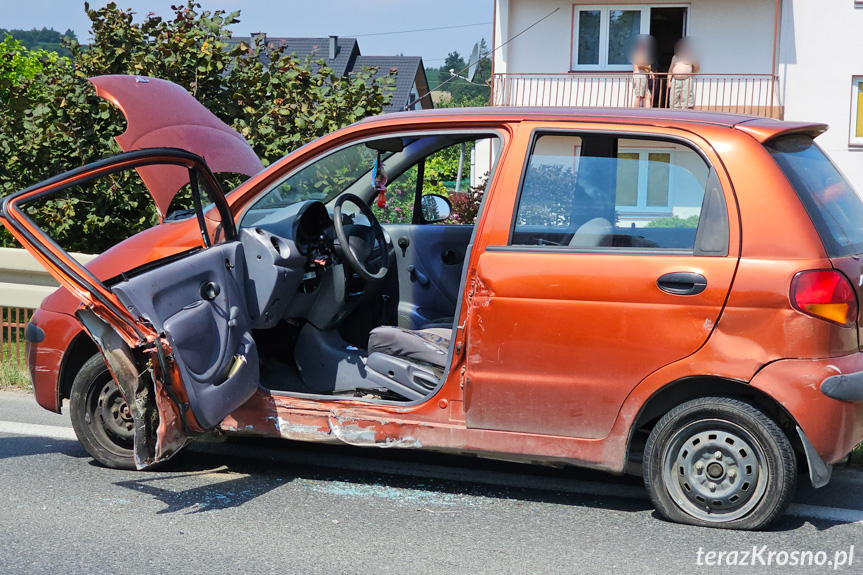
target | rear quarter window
x=831, y=202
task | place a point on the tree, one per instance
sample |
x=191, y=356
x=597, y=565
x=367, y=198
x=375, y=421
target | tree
x=454, y=62
x=54, y=121
x=463, y=92
x=44, y=39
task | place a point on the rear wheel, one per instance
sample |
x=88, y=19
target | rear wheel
x=101, y=417
x=719, y=462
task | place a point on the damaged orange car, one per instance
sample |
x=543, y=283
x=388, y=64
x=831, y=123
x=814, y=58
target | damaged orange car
x=667, y=293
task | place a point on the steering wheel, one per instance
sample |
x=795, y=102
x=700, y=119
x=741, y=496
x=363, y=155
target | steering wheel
x=356, y=249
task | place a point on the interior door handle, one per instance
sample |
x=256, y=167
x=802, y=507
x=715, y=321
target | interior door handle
x=682, y=283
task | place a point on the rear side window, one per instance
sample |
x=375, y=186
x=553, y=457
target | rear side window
x=606, y=191
x=834, y=207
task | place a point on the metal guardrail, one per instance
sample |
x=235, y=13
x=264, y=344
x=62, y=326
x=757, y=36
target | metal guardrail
x=755, y=94
x=24, y=282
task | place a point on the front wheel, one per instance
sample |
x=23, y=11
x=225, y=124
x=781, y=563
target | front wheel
x=719, y=462
x=101, y=417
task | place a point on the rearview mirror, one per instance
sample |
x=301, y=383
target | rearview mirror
x=436, y=208
x=393, y=145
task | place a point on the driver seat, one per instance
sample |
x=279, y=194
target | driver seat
x=408, y=362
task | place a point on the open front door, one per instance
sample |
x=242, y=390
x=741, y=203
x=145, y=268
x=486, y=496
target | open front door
x=175, y=333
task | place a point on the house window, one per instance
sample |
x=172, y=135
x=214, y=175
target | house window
x=601, y=35
x=856, y=111
x=644, y=179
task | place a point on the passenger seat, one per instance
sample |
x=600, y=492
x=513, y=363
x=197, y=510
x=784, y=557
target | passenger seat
x=408, y=362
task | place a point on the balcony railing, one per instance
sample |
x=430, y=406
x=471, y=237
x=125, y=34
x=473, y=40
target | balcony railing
x=755, y=94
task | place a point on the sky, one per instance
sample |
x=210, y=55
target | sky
x=312, y=18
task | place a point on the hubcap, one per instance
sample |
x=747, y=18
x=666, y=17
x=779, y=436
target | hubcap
x=715, y=470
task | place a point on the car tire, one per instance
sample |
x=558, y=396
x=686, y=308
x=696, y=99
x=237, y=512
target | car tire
x=100, y=416
x=719, y=462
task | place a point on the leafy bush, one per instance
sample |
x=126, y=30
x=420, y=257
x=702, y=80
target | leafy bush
x=54, y=121
x=675, y=222
x=465, y=205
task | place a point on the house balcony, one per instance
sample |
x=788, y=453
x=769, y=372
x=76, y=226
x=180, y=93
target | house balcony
x=754, y=94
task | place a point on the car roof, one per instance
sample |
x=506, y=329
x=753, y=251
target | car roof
x=758, y=127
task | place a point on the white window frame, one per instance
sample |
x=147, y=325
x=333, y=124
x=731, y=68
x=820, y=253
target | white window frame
x=604, y=10
x=853, y=139
x=643, y=163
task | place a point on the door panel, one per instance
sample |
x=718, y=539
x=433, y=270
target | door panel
x=556, y=342
x=612, y=259
x=211, y=338
x=430, y=259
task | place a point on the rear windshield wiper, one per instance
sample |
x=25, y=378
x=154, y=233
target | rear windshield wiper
x=179, y=214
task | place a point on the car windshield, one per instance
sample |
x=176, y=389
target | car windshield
x=322, y=180
x=832, y=204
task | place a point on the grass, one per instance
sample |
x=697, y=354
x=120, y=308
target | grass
x=13, y=375
x=857, y=456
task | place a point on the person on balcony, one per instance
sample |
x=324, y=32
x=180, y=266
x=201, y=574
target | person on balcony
x=684, y=65
x=641, y=56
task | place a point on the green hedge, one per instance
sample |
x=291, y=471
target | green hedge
x=51, y=119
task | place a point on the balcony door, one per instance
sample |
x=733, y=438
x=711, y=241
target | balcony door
x=667, y=25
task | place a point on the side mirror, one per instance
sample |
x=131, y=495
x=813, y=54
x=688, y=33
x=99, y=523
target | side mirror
x=436, y=208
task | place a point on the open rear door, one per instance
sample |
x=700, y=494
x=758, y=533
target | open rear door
x=175, y=333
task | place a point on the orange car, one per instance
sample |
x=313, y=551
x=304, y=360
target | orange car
x=672, y=292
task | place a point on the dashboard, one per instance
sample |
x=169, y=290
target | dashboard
x=292, y=266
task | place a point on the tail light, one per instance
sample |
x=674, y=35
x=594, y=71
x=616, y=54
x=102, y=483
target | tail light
x=825, y=294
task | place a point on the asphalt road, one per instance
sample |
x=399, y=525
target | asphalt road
x=282, y=507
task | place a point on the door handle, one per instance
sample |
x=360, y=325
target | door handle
x=682, y=283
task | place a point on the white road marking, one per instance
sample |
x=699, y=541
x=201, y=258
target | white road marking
x=837, y=514
x=52, y=431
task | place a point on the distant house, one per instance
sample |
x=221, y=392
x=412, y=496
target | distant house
x=343, y=56
x=786, y=59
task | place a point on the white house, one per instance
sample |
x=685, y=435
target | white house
x=787, y=59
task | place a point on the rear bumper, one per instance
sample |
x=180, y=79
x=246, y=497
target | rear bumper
x=804, y=387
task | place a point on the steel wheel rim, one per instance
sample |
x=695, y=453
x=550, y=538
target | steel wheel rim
x=715, y=470
x=108, y=415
